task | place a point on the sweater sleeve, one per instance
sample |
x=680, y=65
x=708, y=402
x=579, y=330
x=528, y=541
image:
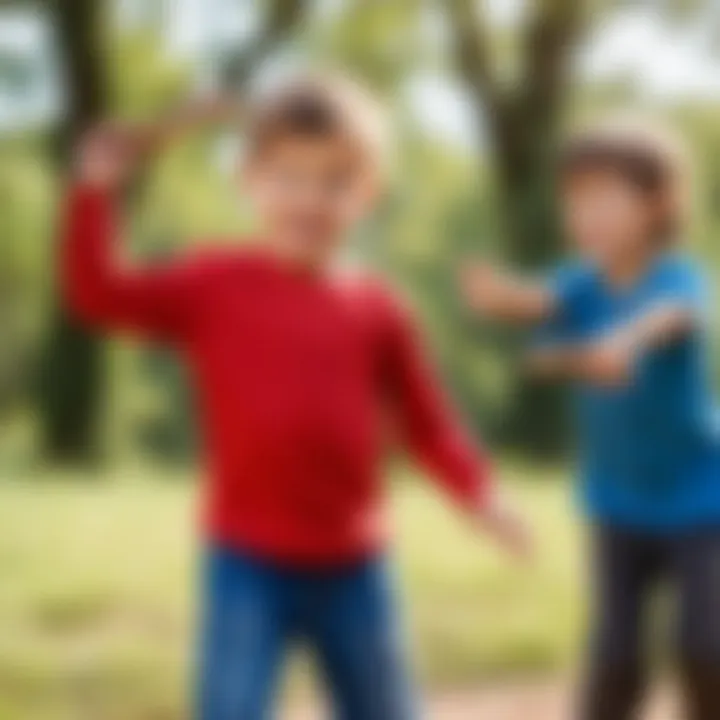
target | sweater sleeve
x=430, y=427
x=160, y=302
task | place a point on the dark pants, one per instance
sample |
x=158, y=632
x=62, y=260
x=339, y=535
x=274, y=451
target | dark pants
x=629, y=567
x=255, y=609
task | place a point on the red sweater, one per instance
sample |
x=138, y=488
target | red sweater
x=293, y=374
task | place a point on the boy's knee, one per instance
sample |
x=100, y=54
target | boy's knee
x=617, y=649
x=230, y=702
x=701, y=685
x=700, y=670
x=233, y=688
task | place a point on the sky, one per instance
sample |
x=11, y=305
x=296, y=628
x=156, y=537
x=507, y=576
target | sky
x=29, y=87
x=666, y=61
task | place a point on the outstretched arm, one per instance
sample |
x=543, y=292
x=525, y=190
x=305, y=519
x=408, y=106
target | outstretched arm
x=501, y=295
x=610, y=360
x=436, y=438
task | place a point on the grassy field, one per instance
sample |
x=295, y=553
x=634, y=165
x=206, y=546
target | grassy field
x=96, y=595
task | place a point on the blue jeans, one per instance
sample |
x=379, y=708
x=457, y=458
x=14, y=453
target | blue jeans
x=254, y=609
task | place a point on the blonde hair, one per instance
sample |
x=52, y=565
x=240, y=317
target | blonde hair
x=321, y=106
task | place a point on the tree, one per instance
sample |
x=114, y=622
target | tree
x=71, y=375
x=279, y=20
x=523, y=119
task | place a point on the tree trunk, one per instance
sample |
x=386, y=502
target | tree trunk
x=536, y=421
x=524, y=123
x=70, y=387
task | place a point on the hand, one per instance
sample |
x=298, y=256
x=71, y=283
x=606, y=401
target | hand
x=484, y=287
x=501, y=521
x=109, y=155
x=609, y=361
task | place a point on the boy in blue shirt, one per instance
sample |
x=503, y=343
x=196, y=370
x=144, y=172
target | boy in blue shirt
x=626, y=322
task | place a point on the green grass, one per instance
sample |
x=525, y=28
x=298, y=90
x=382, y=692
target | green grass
x=96, y=595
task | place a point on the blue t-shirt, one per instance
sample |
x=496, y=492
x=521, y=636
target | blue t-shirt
x=649, y=451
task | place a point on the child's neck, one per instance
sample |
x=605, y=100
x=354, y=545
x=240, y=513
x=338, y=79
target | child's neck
x=302, y=266
x=626, y=270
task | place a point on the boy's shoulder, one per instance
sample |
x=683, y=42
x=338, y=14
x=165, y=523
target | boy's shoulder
x=574, y=270
x=362, y=283
x=377, y=295
x=572, y=280
x=680, y=275
x=668, y=269
x=678, y=267
x=219, y=259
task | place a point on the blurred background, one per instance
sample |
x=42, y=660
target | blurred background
x=97, y=445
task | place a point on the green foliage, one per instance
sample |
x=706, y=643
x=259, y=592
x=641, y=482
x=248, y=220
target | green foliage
x=143, y=79
x=378, y=41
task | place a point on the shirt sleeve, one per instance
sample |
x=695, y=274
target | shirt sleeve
x=161, y=302
x=569, y=284
x=430, y=427
x=681, y=283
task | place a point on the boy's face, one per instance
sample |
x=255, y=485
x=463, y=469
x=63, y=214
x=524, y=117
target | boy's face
x=606, y=218
x=309, y=192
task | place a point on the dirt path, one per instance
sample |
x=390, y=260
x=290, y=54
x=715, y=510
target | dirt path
x=539, y=701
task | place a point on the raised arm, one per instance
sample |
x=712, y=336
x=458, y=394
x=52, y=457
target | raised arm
x=434, y=435
x=99, y=289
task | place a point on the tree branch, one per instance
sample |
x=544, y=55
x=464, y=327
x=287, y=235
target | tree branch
x=551, y=33
x=471, y=48
x=281, y=16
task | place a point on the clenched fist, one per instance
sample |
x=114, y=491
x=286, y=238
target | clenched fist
x=108, y=156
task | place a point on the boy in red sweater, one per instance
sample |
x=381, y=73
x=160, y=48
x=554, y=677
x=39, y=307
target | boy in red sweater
x=294, y=368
